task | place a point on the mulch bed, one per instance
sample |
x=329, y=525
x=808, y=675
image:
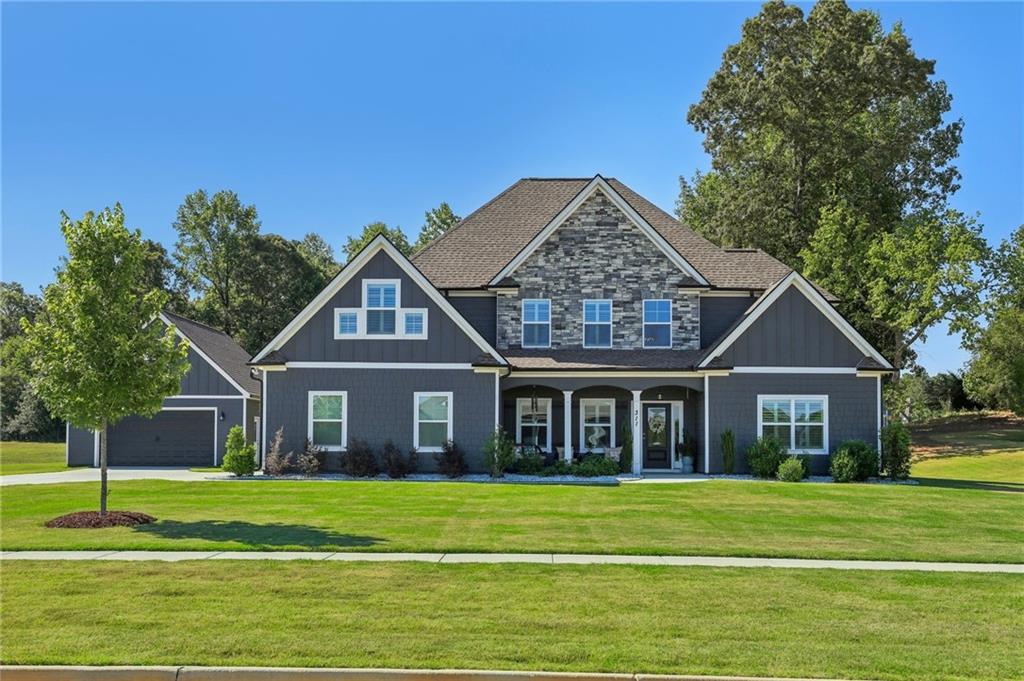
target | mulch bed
x=94, y=519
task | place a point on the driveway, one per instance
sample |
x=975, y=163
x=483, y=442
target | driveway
x=93, y=475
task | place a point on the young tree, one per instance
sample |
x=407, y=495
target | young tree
x=438, y=221
x=97, y=356
x=211, y=250
x=354, y=244
x=318, y=253
x=995, y=373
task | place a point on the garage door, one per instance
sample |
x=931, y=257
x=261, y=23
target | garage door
x=171, y=438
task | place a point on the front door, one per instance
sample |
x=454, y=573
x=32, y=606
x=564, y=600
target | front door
x=656, y=424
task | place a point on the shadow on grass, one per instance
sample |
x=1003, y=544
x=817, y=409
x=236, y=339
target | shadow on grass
x=951, y=483
x=256, y=535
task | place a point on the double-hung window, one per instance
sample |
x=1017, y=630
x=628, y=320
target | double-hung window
x=658, y=323
x=433, y=416
x=536, y=323
x=597, y=323
x=800, y=423
x=327, y=419
x=533, y=422
x=380, y=299
x=597, y=424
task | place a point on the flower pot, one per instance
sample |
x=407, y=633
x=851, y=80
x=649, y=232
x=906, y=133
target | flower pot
x=687, y=464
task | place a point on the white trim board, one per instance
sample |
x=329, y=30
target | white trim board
x=595, y=185
x=550, y=425
x=379, y=243
x=758, y=308
x=416, y=418
x=793, y=423
x=210, y=397
x=378, y=365
x=192, y=344
x=310, y=421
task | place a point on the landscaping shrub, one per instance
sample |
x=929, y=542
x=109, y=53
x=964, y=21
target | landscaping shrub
x=626, y=457
x=791, y=470
x=499, y=452
x=239, y=457
x=311, y=460
x=593, y=466
x=276, y=463
x=728, y=451
x=843, y=466
x=450, y=460
x=529, y=463
x=559, y=467
x=895, y=451
x=397, y=464
x=358, y=459
x=865, y=456
x=765, y=456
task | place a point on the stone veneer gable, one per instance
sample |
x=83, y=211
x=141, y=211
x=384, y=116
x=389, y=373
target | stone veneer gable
x=599, y=253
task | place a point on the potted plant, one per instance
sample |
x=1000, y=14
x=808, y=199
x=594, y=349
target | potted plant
x=686, y=450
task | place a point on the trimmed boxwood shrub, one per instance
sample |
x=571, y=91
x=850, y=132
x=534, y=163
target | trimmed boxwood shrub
x=595, y=465
x=765, y=456
x=791, y=470
x=843, y=466
x=529, y=463
x=864, y=461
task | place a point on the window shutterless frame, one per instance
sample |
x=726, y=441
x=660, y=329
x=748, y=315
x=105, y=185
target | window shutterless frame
x=657, y=314
x=598, y=422
x=792, y=420
x=597, y=315
x=330, y=418
x=523, y=405
x=535, y=312
x=449, y=419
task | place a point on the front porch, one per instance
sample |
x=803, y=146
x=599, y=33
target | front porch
x=567, y=417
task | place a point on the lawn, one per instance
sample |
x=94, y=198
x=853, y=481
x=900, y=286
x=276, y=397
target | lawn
x=31, y=457
x=806, y=623
x=970, y=451
x=718, y=517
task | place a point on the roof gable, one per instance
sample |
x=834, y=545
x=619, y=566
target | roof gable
x=599, y=184
x=217, y=349
x=784, y=290
x=379, y=246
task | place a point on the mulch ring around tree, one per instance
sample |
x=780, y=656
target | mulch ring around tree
x=94, y=519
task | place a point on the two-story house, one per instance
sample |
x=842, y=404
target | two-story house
x=562, y=310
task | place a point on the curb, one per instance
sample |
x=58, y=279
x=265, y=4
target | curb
x=83, y=673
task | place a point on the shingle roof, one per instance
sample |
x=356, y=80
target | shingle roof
x=219, y=347
x=578, y=359
x=474, y=251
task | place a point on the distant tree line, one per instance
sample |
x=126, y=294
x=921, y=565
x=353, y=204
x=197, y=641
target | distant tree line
x=223, y=271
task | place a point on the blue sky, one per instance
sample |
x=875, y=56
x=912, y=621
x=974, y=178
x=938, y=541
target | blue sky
x=329, y=116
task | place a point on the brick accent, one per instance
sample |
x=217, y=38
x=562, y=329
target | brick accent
x=599, y=253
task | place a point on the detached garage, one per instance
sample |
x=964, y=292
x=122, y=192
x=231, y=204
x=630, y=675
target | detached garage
x=216, y=394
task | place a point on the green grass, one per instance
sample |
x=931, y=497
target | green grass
x=996, y=471
x=798, y=623
x=719, y=517
x=31, y=457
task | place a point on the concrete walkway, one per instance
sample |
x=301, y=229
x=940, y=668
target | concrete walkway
x=540, y=558
x=93, y=475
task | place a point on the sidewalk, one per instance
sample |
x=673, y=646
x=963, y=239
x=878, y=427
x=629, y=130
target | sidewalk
x=85, y=474
x=540, y=558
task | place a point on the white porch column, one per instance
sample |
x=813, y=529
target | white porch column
x=567, y=426
x=638, y=436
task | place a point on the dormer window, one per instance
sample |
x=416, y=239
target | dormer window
x=381, y=316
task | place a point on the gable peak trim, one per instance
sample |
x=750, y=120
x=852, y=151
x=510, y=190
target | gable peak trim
x=206, y=358
x=598, y=183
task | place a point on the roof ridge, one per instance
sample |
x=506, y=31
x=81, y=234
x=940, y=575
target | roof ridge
x=461, y=222
x=198, y=323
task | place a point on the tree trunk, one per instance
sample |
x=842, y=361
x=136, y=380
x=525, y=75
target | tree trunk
x=103, y=469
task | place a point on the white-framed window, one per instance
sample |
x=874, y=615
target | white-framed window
x=658, y=323
x=536, y=323
x=380, y=300
x=414, y=323
x=533, y=422
x=346, y=323
x=328, y=419
x=597, y=424
x=799, y=422
x=433, y=420
x=597, y=323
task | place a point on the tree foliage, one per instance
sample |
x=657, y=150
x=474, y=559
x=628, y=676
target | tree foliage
x=315, y=250
x=395, y=235
x=23, y=416
x=830, y=151
x=210, y=253
x=995, y=372
x=97, y=356
x=437, y=223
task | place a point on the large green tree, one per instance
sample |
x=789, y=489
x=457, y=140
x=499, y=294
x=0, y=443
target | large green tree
x=830, y=150
x=437, y=222
x=97, y=356
x=354, y=244
x=210, y=254
x=315, y=250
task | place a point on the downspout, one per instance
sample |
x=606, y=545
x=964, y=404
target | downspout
x=254, y=374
